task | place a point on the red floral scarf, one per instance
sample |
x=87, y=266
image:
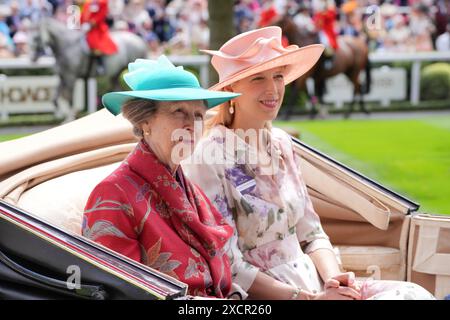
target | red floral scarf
x=194, y=218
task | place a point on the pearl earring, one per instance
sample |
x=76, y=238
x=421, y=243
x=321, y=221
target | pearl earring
x=231, y=109
x=147, y=133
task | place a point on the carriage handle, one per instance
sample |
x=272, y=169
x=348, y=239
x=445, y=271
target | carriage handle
x=84, y=291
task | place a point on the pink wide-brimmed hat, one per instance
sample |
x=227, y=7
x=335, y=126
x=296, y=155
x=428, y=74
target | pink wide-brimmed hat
x=259, y=50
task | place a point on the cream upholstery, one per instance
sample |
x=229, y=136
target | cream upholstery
x=95, y=131
x=372, y=261
x=61, y=200
x=429, y=253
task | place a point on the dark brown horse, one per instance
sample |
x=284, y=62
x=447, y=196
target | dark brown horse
x=351, y=59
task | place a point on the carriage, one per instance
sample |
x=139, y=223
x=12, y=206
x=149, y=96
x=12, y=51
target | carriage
x=46, y=178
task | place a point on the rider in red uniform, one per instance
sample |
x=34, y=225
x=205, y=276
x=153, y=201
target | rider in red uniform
x=324, y=19
x=93, y=19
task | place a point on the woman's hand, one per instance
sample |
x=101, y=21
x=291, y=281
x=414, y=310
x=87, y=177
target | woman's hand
x=338, y=293
x=346, y=279
x=341, y=287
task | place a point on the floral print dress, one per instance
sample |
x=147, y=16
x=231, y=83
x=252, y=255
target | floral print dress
x=275, y=224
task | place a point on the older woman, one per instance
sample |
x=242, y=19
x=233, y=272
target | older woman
x=146, y=209
x=251, y=173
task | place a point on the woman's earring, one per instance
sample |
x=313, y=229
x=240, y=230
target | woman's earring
x=231, y=109
x=147, y=133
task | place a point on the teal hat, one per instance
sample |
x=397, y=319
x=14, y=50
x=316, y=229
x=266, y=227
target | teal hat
x=160, y=80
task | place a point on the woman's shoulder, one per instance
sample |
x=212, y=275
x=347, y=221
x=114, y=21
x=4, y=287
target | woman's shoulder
x=117, y=179
x=281, y=134
x=282, y=137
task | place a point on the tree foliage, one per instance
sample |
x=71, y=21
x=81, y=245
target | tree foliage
x=220, y=26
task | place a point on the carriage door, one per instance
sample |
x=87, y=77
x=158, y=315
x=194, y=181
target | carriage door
x=429, y=253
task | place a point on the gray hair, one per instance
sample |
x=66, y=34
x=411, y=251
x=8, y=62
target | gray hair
x=137, y=111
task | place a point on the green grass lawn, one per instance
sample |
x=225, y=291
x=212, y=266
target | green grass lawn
x=411, y=157
x=7, y=137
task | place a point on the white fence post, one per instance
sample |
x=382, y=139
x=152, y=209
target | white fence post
x=92, y=95
x=204, y=75
x=3, y=111
x=415, y=83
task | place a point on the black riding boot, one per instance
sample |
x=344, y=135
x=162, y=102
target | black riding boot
x=101, y=70
x=328, y=58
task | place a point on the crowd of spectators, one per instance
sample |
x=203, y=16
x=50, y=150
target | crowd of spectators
x=388, y=25
x=181, y=26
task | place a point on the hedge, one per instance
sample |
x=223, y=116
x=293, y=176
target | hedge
x=435, y=82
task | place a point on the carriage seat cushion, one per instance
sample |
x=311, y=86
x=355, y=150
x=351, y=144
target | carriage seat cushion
x=372, y=261
x=61, y=200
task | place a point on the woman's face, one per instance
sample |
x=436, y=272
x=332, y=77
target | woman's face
x=262, y=96
x=171, y=130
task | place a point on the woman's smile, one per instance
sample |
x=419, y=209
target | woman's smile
x=269, y=103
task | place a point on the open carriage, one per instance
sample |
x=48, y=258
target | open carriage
x=46, y=178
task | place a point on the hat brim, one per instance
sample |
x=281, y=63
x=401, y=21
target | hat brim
x=299, y=61
x=113, y=101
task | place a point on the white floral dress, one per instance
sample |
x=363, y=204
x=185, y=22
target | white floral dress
x=266, y=202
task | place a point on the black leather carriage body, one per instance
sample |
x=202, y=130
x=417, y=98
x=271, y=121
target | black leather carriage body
x=40, y=261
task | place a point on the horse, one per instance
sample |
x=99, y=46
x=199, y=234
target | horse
x=351, y=59
x=74, y=61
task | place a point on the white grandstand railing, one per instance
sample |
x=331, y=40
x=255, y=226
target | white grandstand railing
x=416, y=58
x=202, y=62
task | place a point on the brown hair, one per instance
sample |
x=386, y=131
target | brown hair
x=137, y=111
x=221, y=116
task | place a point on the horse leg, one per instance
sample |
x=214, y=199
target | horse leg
x=293, y=97
x=67, y=109
x=367, y=83
x=314, y=106
x=63, y=108
x=348, y=112
x=70, y=113
x=320, y=90
x=357, y=91
x=354, y=78
x=311, y=96
x=362, y=104
x=58, y=112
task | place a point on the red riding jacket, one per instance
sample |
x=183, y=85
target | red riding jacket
x=325, y=21
x=98, y=38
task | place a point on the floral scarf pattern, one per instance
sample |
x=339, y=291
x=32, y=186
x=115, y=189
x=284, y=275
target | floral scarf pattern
x=143, y=212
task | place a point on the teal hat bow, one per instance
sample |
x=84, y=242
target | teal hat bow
x=160, y=80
